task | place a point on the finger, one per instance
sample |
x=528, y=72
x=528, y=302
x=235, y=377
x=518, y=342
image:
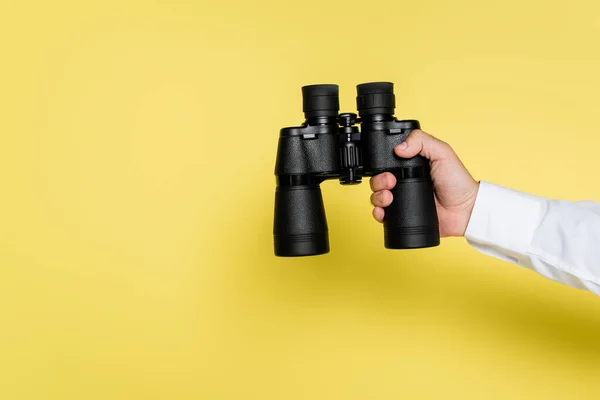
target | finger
x=419, y=142
x=383, y=198
x=382, y=181
x=378, y=214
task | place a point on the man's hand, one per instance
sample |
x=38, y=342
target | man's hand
x=455, y=189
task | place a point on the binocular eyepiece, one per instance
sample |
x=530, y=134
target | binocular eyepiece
x=372, y=98
x=320, y=101
x=347, y=146
x=375, y=98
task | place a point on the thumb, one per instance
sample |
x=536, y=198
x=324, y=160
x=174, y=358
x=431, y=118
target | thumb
x=419, y=142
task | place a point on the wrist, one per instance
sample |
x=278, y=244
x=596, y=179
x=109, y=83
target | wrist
x=468, y=211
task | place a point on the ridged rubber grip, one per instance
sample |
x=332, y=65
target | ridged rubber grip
x=350, y=155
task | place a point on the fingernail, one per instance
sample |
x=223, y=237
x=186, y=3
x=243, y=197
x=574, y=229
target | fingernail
x=403, y=146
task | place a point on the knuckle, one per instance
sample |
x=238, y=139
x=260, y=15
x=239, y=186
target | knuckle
x=445, y=147
x=383, y=178
x=391, y=179
x=374, y=199
x=417, y=133
x=379, y=182
x=373, y=183
x=388, y=198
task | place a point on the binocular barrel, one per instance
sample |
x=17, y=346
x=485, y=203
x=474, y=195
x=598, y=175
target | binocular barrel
x=300, y=222
x=329, y=145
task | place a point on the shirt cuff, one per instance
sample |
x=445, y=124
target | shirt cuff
x=504, y=219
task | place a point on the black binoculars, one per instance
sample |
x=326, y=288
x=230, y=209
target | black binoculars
x=329, y=145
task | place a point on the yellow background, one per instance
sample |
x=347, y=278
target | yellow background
x=137, y=146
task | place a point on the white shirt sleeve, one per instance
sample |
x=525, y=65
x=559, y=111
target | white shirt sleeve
x=555, y=238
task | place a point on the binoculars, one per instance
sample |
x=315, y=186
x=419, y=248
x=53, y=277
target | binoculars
x=329, y=145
